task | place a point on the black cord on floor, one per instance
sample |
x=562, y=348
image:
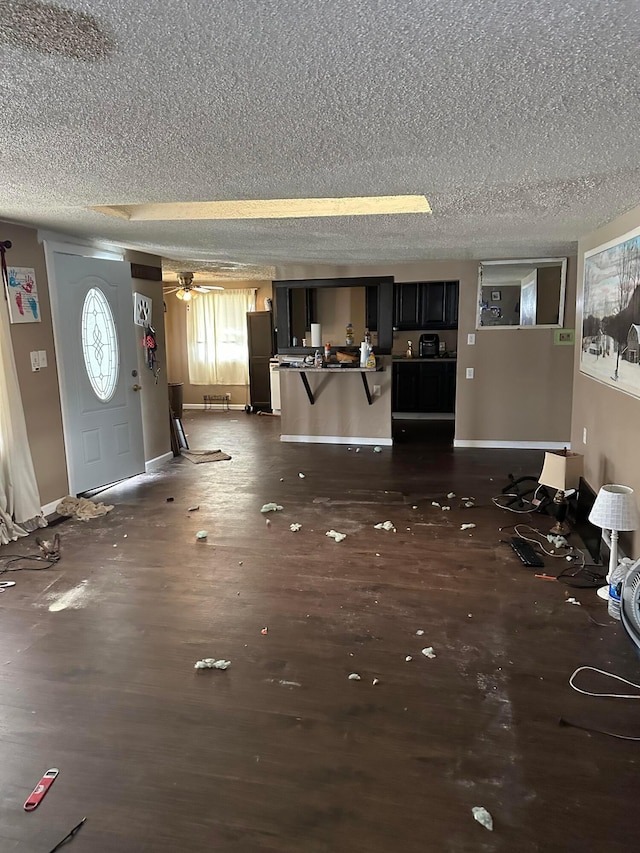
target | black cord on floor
x=10, y=559
x=563, y=722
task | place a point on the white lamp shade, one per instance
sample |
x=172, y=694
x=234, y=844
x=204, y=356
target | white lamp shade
x=615, y=508
x=561, y=471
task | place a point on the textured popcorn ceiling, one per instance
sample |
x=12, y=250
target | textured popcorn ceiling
x=519, y=122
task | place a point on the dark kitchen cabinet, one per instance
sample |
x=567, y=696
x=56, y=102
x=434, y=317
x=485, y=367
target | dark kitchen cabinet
x=426, y=305
x=406, y=306
x=371, y=308
x=424, y=386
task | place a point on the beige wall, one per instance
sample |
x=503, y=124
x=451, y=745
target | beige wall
x=523, y=383
x=154, y=395
x=40, y=391
x=609, y=415
x=176, y=337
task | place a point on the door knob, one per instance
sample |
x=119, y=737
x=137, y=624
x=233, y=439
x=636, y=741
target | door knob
x=137, y=387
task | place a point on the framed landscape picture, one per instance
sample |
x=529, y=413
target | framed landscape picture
x=610, y=351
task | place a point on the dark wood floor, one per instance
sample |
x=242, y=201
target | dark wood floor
x=161, y=757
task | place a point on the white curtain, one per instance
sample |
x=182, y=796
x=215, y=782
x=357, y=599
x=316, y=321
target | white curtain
x=217, y=337
x=20, y=510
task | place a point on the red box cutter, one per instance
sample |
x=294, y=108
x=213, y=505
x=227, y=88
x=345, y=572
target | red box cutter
x=35, y=797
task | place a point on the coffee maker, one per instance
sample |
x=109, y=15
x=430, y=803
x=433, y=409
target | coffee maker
x=429, y=346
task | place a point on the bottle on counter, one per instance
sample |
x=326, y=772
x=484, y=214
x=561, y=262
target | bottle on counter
x=317, y=359
x=409, y=349
x=327, y=352
x=367, y=336
x=371, y=359
x=349, y=340
x=365, y=349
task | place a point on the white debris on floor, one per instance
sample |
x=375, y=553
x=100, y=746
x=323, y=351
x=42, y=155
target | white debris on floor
x=385, y=525
x=467, y=526
x=451, y=495
x=419, y=632
x=295, y=527
x=302, y=476
x=435, y=503
x=428, y=652
x=483, y=817
x=354, y=677
x=408, y=658
x=212, y=663
x=333, y=534
x=377, y=449
x=573, y=601
x=271, y=507
x=201, y=534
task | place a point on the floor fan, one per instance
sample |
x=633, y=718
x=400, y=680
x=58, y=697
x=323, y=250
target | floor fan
x=630, y=605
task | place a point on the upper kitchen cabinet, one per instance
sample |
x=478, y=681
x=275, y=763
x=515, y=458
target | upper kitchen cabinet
x=426, y=305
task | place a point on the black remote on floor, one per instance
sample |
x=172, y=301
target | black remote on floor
x=525, y=551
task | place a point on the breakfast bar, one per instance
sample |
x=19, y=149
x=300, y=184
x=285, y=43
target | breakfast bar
x=327, y=404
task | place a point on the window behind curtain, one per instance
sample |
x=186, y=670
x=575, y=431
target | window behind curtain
x=217, y=337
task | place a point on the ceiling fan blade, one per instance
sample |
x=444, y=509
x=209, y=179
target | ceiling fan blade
x=170, y=289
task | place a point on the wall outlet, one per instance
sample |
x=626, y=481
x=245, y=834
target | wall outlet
x=42, y=357
x=471, y=339
x=376, y=390
x=584, y=435
x=35, y=361
x=470, y=373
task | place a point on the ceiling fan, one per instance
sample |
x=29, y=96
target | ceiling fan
x=187, y=290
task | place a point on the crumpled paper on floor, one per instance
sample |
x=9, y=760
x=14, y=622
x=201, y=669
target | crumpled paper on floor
x=333, y=534
x=483, y=817
x=212, y=663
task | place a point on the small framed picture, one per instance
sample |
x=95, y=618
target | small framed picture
x=496, y=296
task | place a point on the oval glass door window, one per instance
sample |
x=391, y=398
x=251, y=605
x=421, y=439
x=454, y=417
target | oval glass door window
x=99, y=344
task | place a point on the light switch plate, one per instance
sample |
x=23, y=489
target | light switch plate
x=470, y=373
x=471, y=339
x=35, y=361
x=42, y=358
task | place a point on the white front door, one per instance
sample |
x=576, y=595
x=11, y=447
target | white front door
x=92, y=307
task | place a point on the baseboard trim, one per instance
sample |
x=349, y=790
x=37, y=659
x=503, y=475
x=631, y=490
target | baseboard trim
x=157, y=462
x=337, y=439
x=50, y=508
x=512, y=445
x=211, y=407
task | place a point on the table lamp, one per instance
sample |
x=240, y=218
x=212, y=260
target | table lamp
x=561, y=471
x=614, y=509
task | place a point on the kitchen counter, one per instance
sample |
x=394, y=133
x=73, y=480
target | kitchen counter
x=396, y=358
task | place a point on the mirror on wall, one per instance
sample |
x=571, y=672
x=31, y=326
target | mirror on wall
x=521, y=293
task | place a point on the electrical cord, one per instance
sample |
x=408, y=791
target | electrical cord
x=607, y=675
x=10, y=559
x=564, y=722
x=534, y=507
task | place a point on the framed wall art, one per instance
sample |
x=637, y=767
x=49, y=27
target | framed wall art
x=610, y=349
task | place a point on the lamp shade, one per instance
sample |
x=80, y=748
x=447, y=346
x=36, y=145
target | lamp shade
x=561, y=471
x=615, y=508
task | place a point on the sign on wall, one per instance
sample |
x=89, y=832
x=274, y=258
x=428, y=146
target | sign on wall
x=22, y=295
